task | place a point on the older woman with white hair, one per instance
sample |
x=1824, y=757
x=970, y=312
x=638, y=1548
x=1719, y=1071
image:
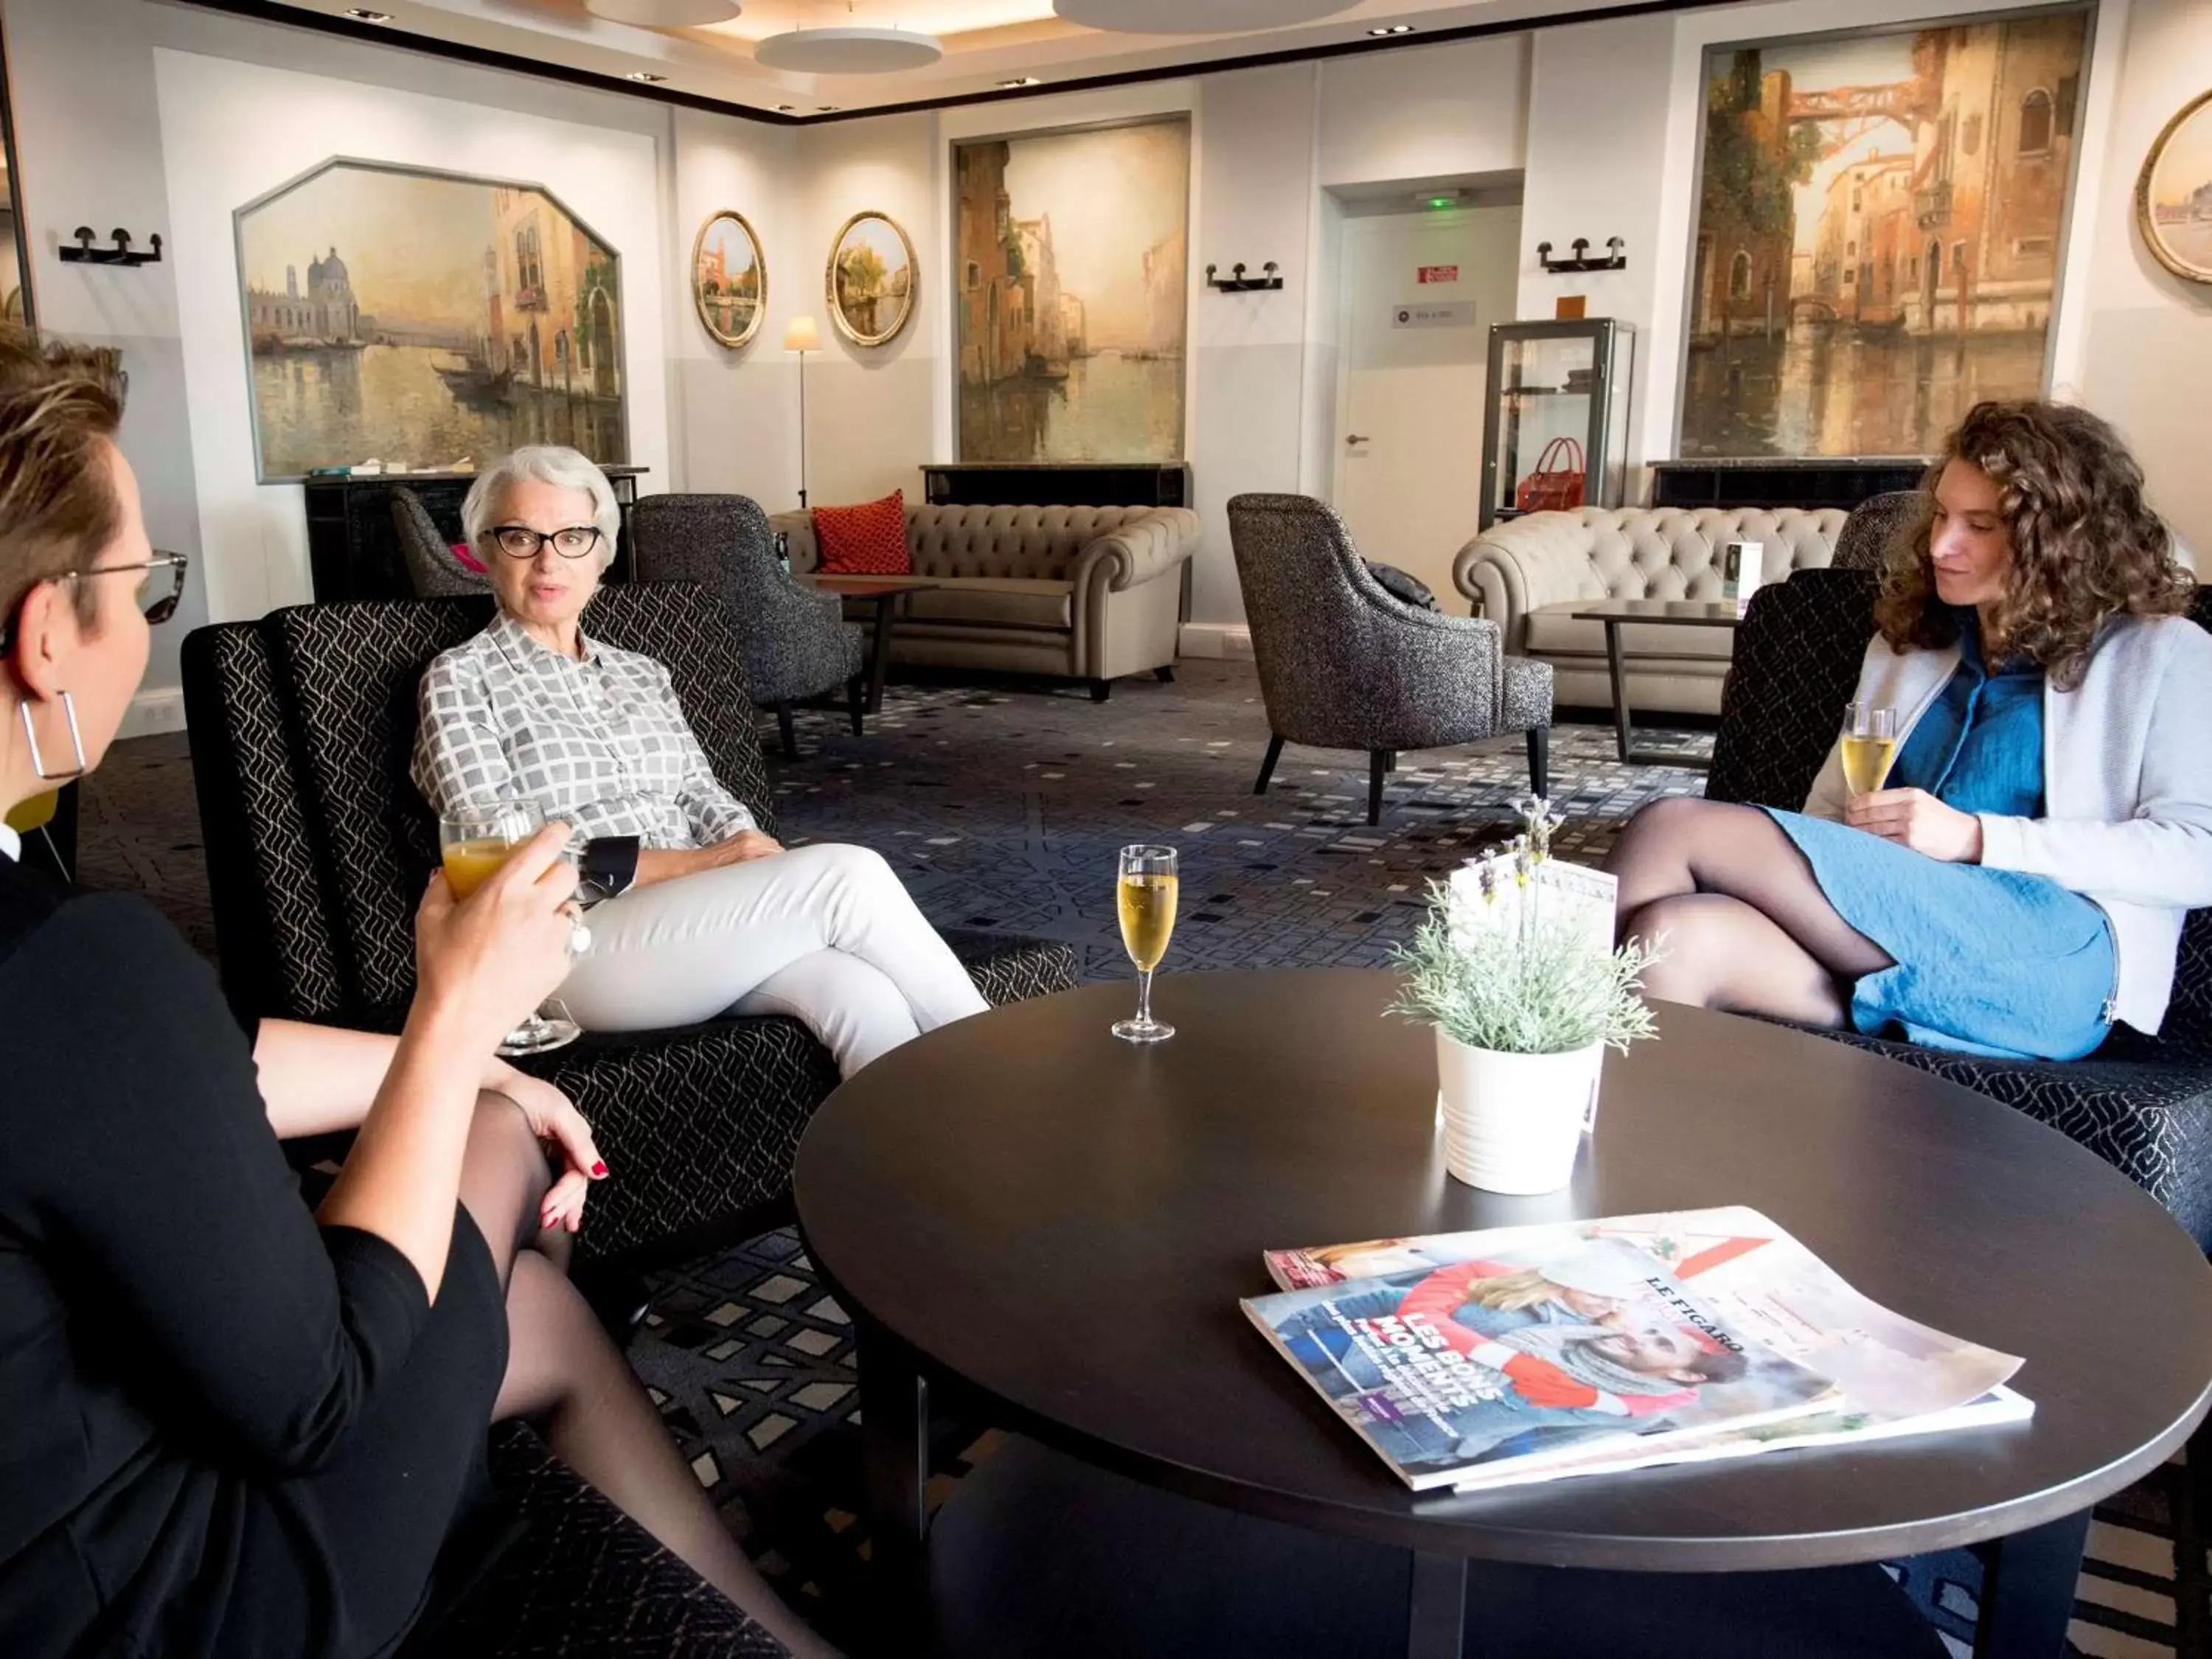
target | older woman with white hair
x=708, y=914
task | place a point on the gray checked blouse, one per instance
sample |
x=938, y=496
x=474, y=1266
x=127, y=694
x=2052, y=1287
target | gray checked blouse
x=601, y=744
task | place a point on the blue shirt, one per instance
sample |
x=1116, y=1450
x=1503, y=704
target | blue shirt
x=1979, y=745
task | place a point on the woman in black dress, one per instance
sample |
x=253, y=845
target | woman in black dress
x=229, y=1426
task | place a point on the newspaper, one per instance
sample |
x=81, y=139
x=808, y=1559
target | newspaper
x=1896, y=1376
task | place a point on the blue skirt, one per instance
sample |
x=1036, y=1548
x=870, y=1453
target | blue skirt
x=1989, y=962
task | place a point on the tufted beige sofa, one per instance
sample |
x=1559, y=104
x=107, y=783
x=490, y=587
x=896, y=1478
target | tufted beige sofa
x=1530, y=575
x=1093, y=593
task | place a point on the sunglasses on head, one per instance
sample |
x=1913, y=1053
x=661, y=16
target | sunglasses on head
x=157, y=599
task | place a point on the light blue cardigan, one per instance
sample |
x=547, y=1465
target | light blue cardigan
x=2127, y=784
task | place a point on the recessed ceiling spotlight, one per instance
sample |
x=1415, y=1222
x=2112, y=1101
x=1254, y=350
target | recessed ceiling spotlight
x=646, y=76
x=1395, y=28
x=363, y=15
x=826, y=109
x=1023, y=81
x=785, y=109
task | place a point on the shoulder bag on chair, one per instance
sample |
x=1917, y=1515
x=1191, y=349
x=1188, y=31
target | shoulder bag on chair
x=1556, y=485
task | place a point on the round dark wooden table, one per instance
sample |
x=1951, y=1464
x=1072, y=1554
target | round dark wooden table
x=1067, y=1222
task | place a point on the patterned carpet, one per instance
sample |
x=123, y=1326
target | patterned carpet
x=1002, y=805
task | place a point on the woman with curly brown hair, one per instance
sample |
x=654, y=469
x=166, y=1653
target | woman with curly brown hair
x=2019, y=882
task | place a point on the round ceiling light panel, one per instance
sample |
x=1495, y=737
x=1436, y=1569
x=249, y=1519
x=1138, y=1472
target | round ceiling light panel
x=1196, y=17
x=664, y=14
x=846, y=50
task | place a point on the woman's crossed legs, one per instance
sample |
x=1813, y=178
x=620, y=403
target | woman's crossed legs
x=1744, y=924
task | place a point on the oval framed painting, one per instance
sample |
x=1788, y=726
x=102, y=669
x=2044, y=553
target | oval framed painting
x=729, y=279
x=871, y=279
x=2173, y=193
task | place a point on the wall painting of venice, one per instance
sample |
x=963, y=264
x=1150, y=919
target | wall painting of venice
x=1881, y=222
x=427, y=319
x=1069, y=273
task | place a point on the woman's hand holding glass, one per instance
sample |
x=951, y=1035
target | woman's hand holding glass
x=489, y=960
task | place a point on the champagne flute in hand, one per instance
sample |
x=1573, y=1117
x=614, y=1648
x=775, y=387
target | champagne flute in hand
x=1869, y=745
x=1145, y=895
x=474, y=845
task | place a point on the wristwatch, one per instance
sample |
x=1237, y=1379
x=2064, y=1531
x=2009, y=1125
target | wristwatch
x=609, y=866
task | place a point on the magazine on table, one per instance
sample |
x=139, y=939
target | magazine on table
x=1548, y=1353
x=1895, y=1375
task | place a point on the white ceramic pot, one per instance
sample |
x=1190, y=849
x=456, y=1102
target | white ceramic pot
x=1512, y=1123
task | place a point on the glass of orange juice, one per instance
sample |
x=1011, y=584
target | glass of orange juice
x=475, y=844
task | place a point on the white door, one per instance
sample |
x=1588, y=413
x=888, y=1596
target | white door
x=1411, y=391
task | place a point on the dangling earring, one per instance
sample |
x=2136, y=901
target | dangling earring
x=76, y=741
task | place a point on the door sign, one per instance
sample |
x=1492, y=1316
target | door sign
x=1450, y=314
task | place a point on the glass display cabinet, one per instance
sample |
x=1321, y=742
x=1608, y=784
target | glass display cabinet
x=1558, y=423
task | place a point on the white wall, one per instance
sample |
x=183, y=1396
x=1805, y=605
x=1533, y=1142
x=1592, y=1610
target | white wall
x=91, y=139
x=1598, y=134
x=734, y=420
x=1601, y=120
x=231, y=131
x=2147, y=357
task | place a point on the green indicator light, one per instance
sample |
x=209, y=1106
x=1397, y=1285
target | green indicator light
x=1441, y=202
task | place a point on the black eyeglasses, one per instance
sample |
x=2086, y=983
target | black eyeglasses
x=157, y=599
x=520, y=541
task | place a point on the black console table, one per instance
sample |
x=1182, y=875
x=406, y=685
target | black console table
x=1841, y=480
x=1053, y=483
x=353, y=551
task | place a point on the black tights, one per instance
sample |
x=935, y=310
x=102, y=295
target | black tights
x=1736, y=908
x=566, y=1374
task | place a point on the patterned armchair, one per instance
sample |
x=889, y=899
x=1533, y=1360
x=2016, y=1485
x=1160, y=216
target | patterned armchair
x=2143, y=1105
x=432, y=569
x=795, y=640
x=1343, y=664
x=1863, y=542
x=568, y=1575
x=317, y=846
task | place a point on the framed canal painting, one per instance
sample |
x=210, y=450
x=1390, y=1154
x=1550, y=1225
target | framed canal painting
x=1881, y=221
x=869, y=282
x=432, y=320
x=1071, y=283
x=729, y=279
x=2173, y=193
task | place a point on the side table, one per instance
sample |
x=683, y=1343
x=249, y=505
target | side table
x=887, y=594
x=1616, y=613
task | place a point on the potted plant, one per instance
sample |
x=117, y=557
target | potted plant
x=1525, y=997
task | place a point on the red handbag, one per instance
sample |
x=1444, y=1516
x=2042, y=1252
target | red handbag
x=1552, y=489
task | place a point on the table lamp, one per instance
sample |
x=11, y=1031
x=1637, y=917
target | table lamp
x=800, y=335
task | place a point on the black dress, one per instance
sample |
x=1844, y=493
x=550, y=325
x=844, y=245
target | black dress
x=223, y=1429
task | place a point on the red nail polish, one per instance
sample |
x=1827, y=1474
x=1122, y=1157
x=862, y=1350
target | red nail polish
x=600, y=1169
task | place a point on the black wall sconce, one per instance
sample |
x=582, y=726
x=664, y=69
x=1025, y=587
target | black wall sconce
x=1582, y=261
x=1237, y=283
x=84, y=253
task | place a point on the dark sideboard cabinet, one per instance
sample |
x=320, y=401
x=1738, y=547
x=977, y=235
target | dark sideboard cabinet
x=353, y=551
x=1055, y=484
x=1807, y=481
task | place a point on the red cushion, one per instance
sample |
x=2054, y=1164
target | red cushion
x=867, y=540
x=466, y=556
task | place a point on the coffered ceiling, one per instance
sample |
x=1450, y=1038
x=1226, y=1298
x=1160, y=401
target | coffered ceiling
x=991, y=48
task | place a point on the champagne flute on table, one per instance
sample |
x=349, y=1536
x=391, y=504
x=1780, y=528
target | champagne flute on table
x=473, y=846
x=1145, y=894
x=1869, y=745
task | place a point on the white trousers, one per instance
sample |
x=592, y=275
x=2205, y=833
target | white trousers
x=824, y=933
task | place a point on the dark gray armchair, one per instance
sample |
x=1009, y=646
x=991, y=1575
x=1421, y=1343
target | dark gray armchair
x=794, y=639
x=1345, y=666
x=431, y=566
